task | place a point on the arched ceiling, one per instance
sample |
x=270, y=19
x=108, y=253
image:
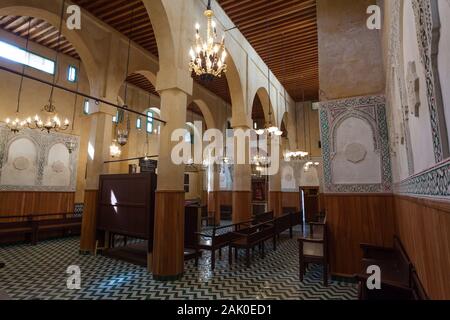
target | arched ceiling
x=283, y=33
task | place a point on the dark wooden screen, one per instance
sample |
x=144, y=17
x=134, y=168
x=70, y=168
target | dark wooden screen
x=126, y=205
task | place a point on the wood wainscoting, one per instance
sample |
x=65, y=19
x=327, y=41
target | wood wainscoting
x=423, y=226
x=88, y=226
x=291, y=200
x=27, y=203
x=354, y=219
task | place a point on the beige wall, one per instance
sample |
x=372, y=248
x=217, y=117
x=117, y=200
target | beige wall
x=35, y=95
x=307, y=129
x=349, y=53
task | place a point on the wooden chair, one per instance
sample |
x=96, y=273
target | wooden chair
x=313, y=248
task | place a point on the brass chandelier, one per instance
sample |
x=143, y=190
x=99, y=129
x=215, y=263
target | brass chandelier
x=52, y=123
x=208, y=57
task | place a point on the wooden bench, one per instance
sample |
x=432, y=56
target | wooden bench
x=263, y=217
x=296, y=218
x=281, y=224
x=249, y=238
x=226, y=212
x=219, y=238
x=32, y=225
x=399, y=280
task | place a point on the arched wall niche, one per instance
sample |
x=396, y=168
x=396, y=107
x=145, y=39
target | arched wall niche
x=356, y=158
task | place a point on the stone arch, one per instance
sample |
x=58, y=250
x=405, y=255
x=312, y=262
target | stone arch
x=162, y=28
x=263, y=96
x=206, y=112
x=50, y=12
x=238, y=105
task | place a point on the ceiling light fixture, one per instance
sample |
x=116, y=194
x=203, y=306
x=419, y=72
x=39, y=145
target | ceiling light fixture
x=208, y=57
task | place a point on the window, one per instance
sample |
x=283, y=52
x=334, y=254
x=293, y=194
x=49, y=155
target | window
x=149, y=127
x=116, y=117
x=187, y=137
x=72, y=74
x=86, y=106
x=139, y=123
x=27, y=58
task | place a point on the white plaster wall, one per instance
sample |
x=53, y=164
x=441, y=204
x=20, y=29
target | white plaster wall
x=367, y=171
x=57, y=169
x=444, y=58
x=23, y=150
x=421, y=137
x=400, y=158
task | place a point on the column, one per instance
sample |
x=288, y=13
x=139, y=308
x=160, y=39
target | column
x=167, y=260
x=242, y=183
x=98, y=152
x=214, y=193
x=275, y=193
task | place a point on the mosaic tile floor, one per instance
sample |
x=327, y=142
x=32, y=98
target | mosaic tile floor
x=39, y=272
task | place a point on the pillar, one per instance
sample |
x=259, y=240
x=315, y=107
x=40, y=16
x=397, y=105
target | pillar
x=214, y=193
x=242, y=184
x=98, y=152
x=275, y=190
x=167, y=259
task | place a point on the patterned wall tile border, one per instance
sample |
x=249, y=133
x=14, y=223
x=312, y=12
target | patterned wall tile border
x=434, y=182
x=371, y=108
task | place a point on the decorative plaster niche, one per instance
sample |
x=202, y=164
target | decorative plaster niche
x=355, y=145
x=37, y=161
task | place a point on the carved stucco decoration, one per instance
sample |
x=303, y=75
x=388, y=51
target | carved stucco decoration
x=396, y=79
x=413, y=83
x=426, y=14
x=355, y=152
x=21, y=163
x=373, y=110
x=43, y=142
x=58, y=167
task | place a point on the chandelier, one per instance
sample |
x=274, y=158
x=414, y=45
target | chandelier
x=52, y=123
x=310, y=164
x=208, y=57
x=114, y=150
x=296, y=155
x=122, y=137
x=14, y=125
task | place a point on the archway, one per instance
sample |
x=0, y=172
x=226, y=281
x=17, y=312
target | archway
x=50, y=12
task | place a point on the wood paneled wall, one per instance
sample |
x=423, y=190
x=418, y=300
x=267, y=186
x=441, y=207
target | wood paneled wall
x=423, y=226
x=290, y=200
x=27, y=203
x=354, y=219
